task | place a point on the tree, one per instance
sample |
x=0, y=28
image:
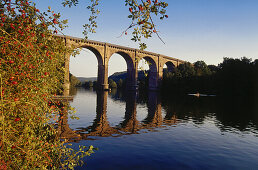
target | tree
x=120, y=83
x=140, y=13
x=88, y=84
x=213, y=69
x=112, y=84
x=74, y=82
x=186, y=69
x=235, y=77
x=31, y=72
x=201, y=68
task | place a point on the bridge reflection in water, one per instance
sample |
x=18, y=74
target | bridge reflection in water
x=130, y=125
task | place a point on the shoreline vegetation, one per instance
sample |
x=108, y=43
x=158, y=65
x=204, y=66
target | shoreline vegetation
x=233, y=78
x=31, y=72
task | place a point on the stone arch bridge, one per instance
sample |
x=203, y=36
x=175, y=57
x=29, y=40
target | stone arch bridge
x=103, y=52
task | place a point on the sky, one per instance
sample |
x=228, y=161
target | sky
x=207, y=30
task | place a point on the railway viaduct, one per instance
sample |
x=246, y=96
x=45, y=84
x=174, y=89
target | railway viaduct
x=103, y=51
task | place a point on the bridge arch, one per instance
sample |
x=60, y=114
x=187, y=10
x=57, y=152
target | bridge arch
x=96, y=52
x=128, y=59
x=131, y=70
x=152, y=73
x=101, y=67
x=170, y=66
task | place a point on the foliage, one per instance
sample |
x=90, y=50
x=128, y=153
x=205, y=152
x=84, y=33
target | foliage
x=88, y=84
x=236, y=76
x=120, y=83
x=140, y=14
x=232, y=78
x=74, y=82
x=31, y=72
x=201, y=68
x=112, y=83
x=186, y=69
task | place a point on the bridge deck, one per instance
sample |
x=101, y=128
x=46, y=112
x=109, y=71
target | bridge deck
x=118, y=46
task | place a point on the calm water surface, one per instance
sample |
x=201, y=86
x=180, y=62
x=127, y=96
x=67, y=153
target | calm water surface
x=134, y=132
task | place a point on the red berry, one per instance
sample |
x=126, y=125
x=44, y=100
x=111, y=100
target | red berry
x=17, y=119
x=16, y=99
x=125, y=33
x=3, y=19
x=11, y=25
x=166, y=16
x=141, y=22
x=140, y=7
x=11, y=62
x=14, y=82
x=131, y=10
x=54, y=21
x=13, y=147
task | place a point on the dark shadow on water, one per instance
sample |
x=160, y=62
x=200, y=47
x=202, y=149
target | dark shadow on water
x=228, y=114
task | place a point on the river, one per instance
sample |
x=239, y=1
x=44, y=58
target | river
x=132, y=131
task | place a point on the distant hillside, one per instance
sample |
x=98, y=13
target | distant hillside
x=122, y=75
x=83, y=79
x=116, y=77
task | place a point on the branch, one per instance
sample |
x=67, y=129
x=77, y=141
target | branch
x=154, y=25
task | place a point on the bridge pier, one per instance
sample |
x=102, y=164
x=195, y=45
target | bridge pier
x=66, y=85
x=102, y=77
x=131, y=83
x=153, y=80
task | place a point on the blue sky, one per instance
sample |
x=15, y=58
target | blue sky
x=205, y=30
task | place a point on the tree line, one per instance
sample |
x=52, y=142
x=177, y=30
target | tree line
x=232, y=77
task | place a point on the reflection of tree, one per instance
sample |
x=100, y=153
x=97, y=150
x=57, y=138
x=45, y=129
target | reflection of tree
x=64, y=131
x=73, y=91
x=237, y=114
x=228, y=114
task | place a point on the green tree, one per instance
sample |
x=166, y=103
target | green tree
x=120, y=83
x=235, y=77
x=31, y=72
x=140, y=13
x=74, y=82
x=213, y=69
x=112, y=84
x=88, y=84
x=201, y=68
x=186, y=69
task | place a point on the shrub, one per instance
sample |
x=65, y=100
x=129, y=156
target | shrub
x=31, y=72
